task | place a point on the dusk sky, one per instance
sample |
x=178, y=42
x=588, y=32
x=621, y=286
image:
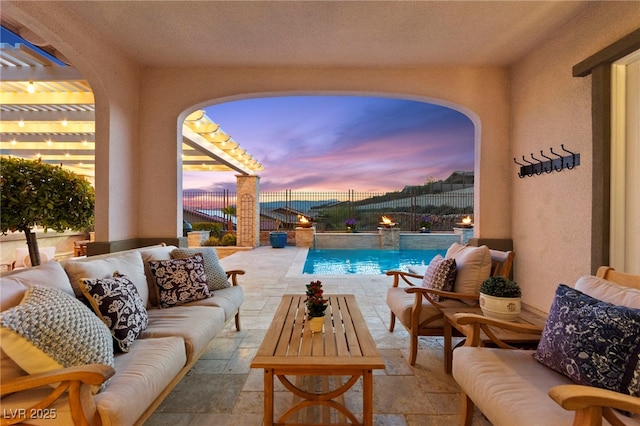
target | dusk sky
x=342, y=142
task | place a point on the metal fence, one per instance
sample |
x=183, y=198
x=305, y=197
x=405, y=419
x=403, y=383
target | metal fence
x=335, y=210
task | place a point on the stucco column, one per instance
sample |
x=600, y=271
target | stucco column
x=248, y=210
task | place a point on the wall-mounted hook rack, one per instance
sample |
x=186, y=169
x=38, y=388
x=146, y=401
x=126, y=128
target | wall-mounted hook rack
x=550, y=164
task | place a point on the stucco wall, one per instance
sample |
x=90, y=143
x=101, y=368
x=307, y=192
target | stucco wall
x=551, y=213
x=114, y=80
x=167, y=95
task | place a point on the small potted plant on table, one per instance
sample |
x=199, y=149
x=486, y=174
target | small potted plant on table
x=500, y=298
x=316, y=305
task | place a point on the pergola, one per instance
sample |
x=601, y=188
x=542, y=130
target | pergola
x=48, y=112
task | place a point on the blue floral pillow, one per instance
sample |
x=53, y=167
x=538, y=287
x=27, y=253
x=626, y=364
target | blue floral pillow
x=592, y=342
x=180, y=281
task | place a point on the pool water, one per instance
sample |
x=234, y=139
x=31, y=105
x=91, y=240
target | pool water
x=365, y=261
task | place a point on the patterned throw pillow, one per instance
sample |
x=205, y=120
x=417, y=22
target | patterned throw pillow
x=50, y=329
x=440, y=275
x=119, y=305
x=216, y=276
x=179, y=281
x=592, y=342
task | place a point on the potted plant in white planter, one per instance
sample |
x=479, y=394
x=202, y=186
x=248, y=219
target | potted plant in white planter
x=500, y=298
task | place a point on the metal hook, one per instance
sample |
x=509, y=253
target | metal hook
x=561, y=161
x=526, y=161
x=550, y=162
x=539, y=162
x=520, y=175
x=573, y=157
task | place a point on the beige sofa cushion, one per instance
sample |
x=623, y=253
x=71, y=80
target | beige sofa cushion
x=509, y=386
x=228, y=299
x=141, y=375
x=608, y=291
x=14, y=284
x=126, y=263
x=473, y=266
x=196, y=325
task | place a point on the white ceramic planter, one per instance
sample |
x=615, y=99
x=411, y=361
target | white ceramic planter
x=503, y=308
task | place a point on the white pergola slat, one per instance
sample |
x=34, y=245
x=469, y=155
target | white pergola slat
x=47, y=111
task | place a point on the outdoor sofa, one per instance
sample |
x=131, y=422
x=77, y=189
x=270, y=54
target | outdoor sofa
x=58, y=361
x=586, y=366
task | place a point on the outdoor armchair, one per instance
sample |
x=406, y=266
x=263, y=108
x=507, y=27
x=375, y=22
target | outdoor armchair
x=418, y=308
x=510, y=386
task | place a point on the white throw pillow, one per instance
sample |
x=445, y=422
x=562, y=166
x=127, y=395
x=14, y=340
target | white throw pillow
x=473, y=266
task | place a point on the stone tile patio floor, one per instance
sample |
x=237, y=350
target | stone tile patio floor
x=223, y=390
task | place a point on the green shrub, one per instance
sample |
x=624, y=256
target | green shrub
x=214, y=228
x=212, y=241
x=500, y=286
x=228, y=240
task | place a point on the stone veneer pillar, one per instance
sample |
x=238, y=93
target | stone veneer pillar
x=248, y=211
x=390, y=238
x=465, y=234
x=304, y=236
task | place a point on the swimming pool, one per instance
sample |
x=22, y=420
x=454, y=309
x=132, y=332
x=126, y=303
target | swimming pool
x=364, y=261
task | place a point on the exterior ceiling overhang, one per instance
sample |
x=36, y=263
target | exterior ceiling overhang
x=48, y=112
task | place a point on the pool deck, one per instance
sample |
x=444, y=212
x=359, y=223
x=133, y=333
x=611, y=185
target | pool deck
x=221, y=389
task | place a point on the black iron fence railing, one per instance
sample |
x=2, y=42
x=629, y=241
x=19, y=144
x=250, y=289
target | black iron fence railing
x=336, y=210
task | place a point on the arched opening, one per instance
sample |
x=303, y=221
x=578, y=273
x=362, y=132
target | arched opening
x=327, y=143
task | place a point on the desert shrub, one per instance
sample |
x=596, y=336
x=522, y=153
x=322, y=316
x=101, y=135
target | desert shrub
x=214, y=228
x=212, y=241
x=228, y=240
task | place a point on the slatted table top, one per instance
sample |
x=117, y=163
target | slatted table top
x=345, y=343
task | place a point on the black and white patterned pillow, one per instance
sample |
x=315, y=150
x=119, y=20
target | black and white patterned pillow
x=440, y=275
x=592, y=342
x=50, y=329
x=216, y=276
x=119, y=305
x=179, y=281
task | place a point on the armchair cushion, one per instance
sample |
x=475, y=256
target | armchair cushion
x=473, y=266
x=440, y=275
x=592, y=342
x=180, y=280
x=400, y=303
x=118, y=304
x=50, y=329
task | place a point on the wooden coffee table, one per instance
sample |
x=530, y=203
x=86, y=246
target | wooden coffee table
x=506, y=336
x=344, y=348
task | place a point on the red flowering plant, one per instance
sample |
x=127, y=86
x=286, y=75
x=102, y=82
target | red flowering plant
x=316, y=304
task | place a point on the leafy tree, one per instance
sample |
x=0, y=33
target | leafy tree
x=36, y=193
